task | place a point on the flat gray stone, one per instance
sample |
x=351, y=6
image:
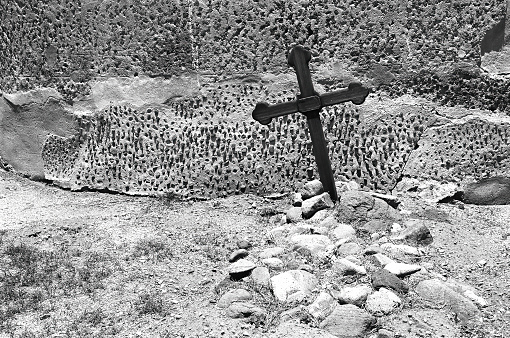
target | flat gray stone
x=323, y=306
x=311, y=189
x=285, y=284
x=238, y=254
x=271, y=252
x=350, y=248
x=241, y=266
x=384, y=279
x=344, y=266
x=234, y=295
x=348, y=321
x=294, y=215
x=316, y=203
x=273, y=263
x=439, y=293
x=244, y=309
x=260, y=276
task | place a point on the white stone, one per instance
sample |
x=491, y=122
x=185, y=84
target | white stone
x=242, y=265
x=273, y=263
x=323, y=306
x=402, y=269
x=234, y=295
x=346, y=267
x=285, y=284
x=356, y=295
x=271, y=252
x=382, y=302
x=316, y=203
x=381, y=259
x=319, y=216
x=401, y=248
x=313, y=243
x=260, y=276
x=342, y=231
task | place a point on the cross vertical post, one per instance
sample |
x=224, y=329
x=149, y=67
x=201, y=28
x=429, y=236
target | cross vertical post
x=310, y=104
x=299, y=59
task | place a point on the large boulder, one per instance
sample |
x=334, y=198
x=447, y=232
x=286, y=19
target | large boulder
x=489, y=191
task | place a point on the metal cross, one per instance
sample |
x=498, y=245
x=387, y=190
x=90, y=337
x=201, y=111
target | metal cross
x=310, y=104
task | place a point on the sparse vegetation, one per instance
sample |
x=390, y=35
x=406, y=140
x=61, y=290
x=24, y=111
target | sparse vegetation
x=151, y=303
x=154, y=248
x=30, y=276
x=214, y=245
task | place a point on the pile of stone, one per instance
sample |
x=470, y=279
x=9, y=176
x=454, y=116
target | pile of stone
x=361, y=259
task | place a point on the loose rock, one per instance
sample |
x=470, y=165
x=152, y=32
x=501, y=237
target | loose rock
x=315, y=244
x=489, y=191
x=244, y=309
x=342, y=231
x=348, y=321
x=381, y=260
x=234, y=296
x=319, y=216
x=401, y=249
x=242, y=266
x=297, y=199
x=298, y=313
x=290, y=282
x=311, y=189
x=348, y=249
x=323, y=306
x=356, y=295
x=402, y=269
x=344, y=266
x=439, y=293
x=238, y=254
x=243, y=244
x=273, y=263
x=416, y=233
x=294, y=215
x=271, y=252
x=384, y=278
x=382, y=302
x=260, y=276
x=316, y=203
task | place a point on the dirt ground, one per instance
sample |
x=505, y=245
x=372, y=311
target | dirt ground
x=148, y=267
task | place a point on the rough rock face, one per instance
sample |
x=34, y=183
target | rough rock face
x=175, y=118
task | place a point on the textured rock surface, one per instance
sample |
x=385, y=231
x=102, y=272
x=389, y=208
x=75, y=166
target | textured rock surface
x=173, y=118
x=288, y=283
x=348, y=321
x=234, y=295
x=382, y=302
x=316, y=203
x=441, y=294
x=495, y=190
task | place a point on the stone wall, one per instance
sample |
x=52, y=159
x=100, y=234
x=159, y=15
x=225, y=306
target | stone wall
x=162, y=91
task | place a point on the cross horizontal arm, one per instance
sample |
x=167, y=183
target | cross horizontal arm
x=264, y=112
x=355, y=93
